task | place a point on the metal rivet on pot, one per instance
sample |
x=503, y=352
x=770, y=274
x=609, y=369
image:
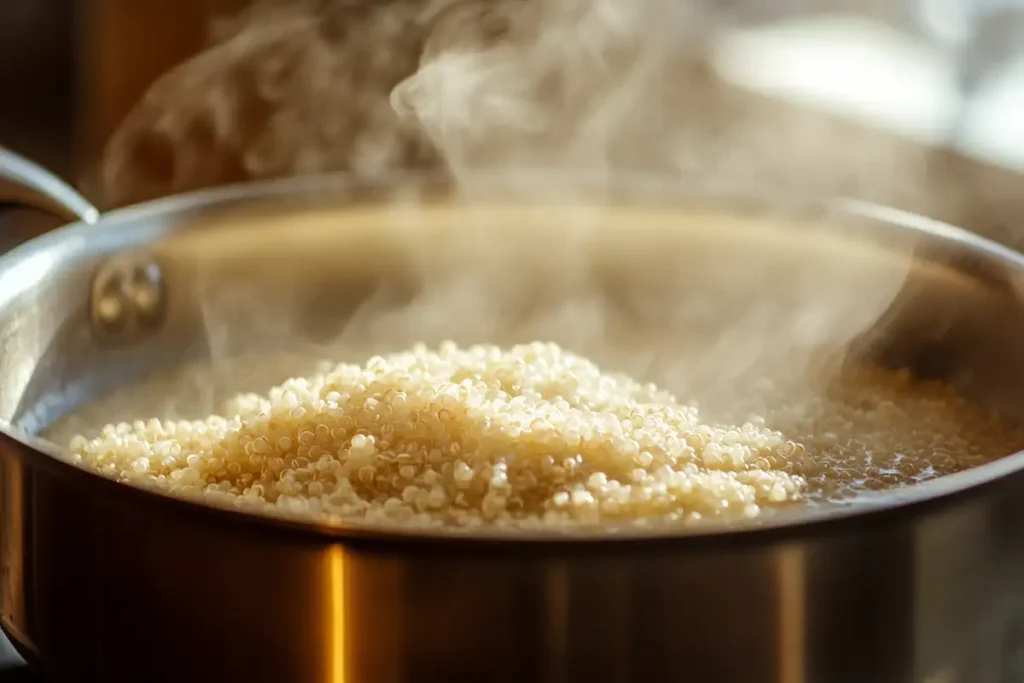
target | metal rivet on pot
x=109, y=310
x=128, y=298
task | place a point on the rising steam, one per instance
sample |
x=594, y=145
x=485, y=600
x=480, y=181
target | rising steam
x=293, y=87
x=593, y=89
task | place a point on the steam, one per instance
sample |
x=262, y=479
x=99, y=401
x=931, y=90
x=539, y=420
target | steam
x=287, y=88
x=553, y=85
x=562, y=100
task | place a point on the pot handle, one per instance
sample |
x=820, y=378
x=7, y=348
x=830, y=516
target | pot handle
x=27, y=184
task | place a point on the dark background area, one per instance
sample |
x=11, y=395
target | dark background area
x=71, y=69
x=36, y=79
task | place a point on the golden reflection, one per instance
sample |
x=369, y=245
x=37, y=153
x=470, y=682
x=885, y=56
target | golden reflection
x=12, y=597
x=790, y=573
x=335, y=627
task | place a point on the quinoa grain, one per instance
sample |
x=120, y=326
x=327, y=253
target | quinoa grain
x=531, y=436
x=535, y=436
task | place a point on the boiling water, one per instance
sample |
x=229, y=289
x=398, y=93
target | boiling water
x=872, y=429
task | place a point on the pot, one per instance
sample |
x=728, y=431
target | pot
x=104, y=581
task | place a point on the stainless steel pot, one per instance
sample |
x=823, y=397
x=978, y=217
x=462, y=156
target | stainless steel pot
x=102, y=581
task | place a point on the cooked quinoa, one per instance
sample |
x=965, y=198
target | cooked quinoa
x=529, y=436
x=536, y=436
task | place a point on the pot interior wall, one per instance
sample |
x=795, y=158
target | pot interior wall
x=698, y=298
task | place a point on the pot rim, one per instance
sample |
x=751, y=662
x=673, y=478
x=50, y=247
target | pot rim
x=882, y=509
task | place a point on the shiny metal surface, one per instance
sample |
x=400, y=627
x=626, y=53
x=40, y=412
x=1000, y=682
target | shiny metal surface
x=128, y=299
x=100, y=581
x=25, y=183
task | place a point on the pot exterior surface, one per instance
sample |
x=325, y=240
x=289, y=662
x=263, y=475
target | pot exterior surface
x=100, y=589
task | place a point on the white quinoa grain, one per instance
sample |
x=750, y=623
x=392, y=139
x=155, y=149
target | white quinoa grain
x=535, y=436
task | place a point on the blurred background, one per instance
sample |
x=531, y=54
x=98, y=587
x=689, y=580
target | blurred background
x=939, y=81
x=70, y=70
